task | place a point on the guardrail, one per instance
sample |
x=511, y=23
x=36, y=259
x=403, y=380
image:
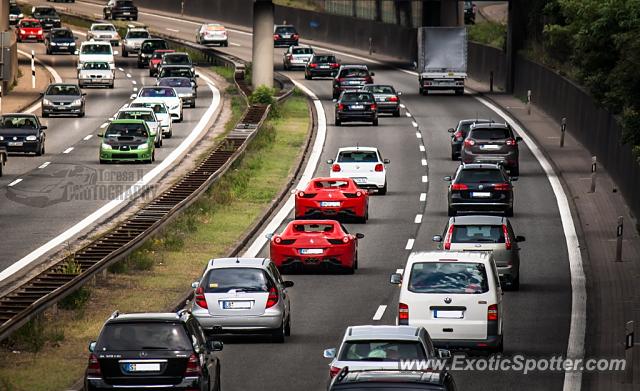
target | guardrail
x=55, y=283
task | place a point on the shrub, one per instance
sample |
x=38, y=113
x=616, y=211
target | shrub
x=262, y=95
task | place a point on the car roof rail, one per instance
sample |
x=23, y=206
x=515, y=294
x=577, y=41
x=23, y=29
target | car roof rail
x=342, y=374
x=115, y=314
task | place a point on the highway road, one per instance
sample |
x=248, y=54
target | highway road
x=537, y=317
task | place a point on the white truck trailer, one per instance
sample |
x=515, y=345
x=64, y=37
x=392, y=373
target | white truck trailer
x=442, y=59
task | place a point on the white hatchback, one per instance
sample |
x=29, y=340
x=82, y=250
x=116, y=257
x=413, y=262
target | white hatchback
x=456, y=296
x=364, y=165
x=166, y=95
x=146, y=114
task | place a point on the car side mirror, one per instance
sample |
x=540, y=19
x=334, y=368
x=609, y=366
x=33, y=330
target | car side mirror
x=195, y=284
x=447, y=178
x=197, y=76
x=520, y=238
x=153, y=134
x=437, y=238
x=514, y=178
x=329, y=353
x=75, y=38
x=444, y=353
x=43, y=127
x=133, y=96
x=372, y=73
x=399, y=93
x=330, y=161
x=92, y=346
x=215, y=346
x=270, y=236
x=451, y=130
x=518, y=138
x=396, y=279
x=334, y=100
x=76, y=53
x=360, y=235
x=84, y=94
x=287, y=284
x=386, y=161
x=100, y=134
x=42, y=94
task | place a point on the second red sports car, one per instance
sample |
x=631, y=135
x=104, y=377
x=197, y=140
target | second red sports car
x=29, y=29
x=315, y=243
x=332, y=198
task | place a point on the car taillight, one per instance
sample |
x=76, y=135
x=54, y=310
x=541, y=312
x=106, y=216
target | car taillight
x=296, y=36
x=511, y=141
x=93, y=367
x=458, y=135
x=290, y=56
x=345, y=239
x=332, y=65
x=502, y=186
x=393, y=99
x=273, y=297
x=340, y=107
x=379, y=167
x=359, y=194
x=313, y=65
x=447, y=239
x=469, y=142
x=403, y=314
x=201, y=301
x=333, y=371
x=492, y=312
x=459, y=186
x=335, y=168
x=277, y=240
x=193, y=366
x=369, y=80
x=507, y=239
x=275, y=36
x=374, y=107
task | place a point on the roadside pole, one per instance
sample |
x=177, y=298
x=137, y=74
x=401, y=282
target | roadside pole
x=628, y=351
x=594, y=168
x=563, y=129
x=619, y=232
x=529, y=102
x=33, y=69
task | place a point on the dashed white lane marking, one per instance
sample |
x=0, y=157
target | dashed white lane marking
x=134, y=82
x=68, y=150
x=418, y=135
x=43, y=165
x=423, y=197
x=423, y=162
x=15, y=182
x=402, y=105
x=408, y=114
x=128, y=75
x=409, y=245
x=422, y=148
x=79, y=33
x=399, y=271
x=425, y=179
x=121, y=69
x=87, y=137
x=418, y=219
x=56, y=75
x=414, y=124
x=380, y=312
x=234, y=44
x=174, y=30
x=104, y=125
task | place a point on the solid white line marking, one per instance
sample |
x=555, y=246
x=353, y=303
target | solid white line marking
x=409, y=245
x=43, y=165
x=128, y=75
x=414, y=124
x=423, y=197
x=104, y=125
x=425, y=179
x=380, y=312
x=135, y=89
x=422, y=148
x=408, y=114
x=121, y=69
x=402, y=105
x=234, y=44
x=423, y=162
x=79, y=33
x=15, y=182
x=399, y=271
x=141, y=185
x=418, y=135
x=87, y=137
x=68, y=150
x=418, y=219
x=134, y=82
x=575, y=345
x=174, y=30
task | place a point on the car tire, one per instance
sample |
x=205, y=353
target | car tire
x=125, y=53
x=81, y=115
x=460, y=91
x=454, y=156
x=514, y=285
x=287, y=328
x=509, y=212
x=338, y=122
x=375, y=122
x=307, y=77
x=226, y=44
x=336, y=96
x=45, y=115
x=102, y=161
x=41, y=150
x=396, y=113
x=383, y=191
x=48, y=51
x=515, y=171
x=451, y=212
x=278, y=334
x=111, y=85
x=169, y=134
x=193, y=104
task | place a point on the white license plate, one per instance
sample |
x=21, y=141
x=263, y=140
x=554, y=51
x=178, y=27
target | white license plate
x=311, y=251
x=360, y=180
x=15, y=143
x=354, y=82
x=330, y=204
x=448, y=314
x=287, y=36
x=356, y=107
x=235, y=305
x=126, y=13
x=324, y=66
x=142, y=367
x=490, y=147
x=480, y=194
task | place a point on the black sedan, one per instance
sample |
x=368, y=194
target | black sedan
x=62, y=98
x=60, y=40
x=321, y=65
x=356, y=106
x=47, y=16
x=460, y=132
x=285, y=35
x=480, y=188
x=22, y=133
x=387, y=98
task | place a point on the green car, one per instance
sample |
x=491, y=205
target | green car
x=127, y=140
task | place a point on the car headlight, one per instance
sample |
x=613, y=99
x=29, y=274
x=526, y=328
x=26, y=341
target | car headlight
x=31, y=138
x=72, y=44
x=53, y=44
x=76, y=102
x=143, y=146
x=1, y=138
x=46, y=102
x=21, y=16
x=105, y=146
x=23, y=31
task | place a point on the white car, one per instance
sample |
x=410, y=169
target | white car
x=133, y=40
x=162, y=114
x=94, y=51
x=212, y=33
x=455, y=295
x=104, y=32
x=297, y=56
x=96, y=73
x=146, y=114
x=364, y=165
x=167, y=95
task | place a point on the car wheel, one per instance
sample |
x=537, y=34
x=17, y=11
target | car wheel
x=451, y=212
x=454, y=156
x=193, y=104
x=460, y=91
x=338, y=122
x=81, y=115
x=226, y=43
x=375, y=122
x=169, y=134
x=278, y=334
x=125, y=53
x=45, y=115
x=515, y=171
x=396, y=113
x=509, y=212
x=515, y=284
x=111, y=85
x=41, y=150
x=307, y=77
x=336, y=96
x=102, y=161
x=48, y=51
x=383, y=191
x=287, y=328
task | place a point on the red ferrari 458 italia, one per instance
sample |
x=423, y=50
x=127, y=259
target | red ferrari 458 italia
x=29, y=29
x=333, y=198
x=315, y=243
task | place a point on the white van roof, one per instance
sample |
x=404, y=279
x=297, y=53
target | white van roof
x=451, y=256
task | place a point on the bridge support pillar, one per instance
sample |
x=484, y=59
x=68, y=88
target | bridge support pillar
x=262, y=57
x=451, y=13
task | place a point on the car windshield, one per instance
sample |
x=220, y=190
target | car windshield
x=30, y=24
x=126, y=130
x=175, y=72
x=45, y=12
x=214, y=27
x=138, y=34
x=285, y=30
x=480, y=176
x=176, y=59
x=175, y=82
x=477, y=234
x=448, y=277
x=354, y=72
x=357, y=97
x=324, y=59
x=15, y=10
x=62, y=34
x=124, y=3
x=330, y=184
x=143, y=115
x=489, y=133
x=103, y=27
x=239, y=278
x=382, y=350
x=143, y=336
x=96, y=49
x=158, y=108
x=96, y=66
x=313, y=228
x=150, y=46
x=381, y=89
x=302, y=51
x=358, y=157
x=63, y=90
x=465, y=126
x=19, y=122
x=158, y=92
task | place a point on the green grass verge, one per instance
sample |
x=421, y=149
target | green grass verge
x=153, y=277
x=489, y=33
x=311, y=5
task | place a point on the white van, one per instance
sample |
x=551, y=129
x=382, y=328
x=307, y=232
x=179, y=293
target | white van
x=96, y=51
x=456, y=296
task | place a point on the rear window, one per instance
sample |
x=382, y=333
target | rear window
x=171, y=82
x=150, y=46
x=477, y=234
x=285, y=30
x=176, y=59
x=143, y=336
x=489, y=133
x=138, y=34
x=385, y=350
x=313, y=228
x=358, y=157
x=448, y=277
x=362, y=97
x=324, y=59
x=158, y=93
x=381, y=89
x=354, y=72
x=480, y=176
x=143, y=115
x=330, y=184
x=302, y=51
x=241, y=278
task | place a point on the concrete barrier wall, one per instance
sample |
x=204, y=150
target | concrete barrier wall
x=482, y=60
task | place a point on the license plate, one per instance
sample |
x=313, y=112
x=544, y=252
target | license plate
x=448, y=314
x=311, y=251
x=354, y=82
x=286, y=35
x=15, y=143
x=32, y=36
x=142, y=367
x=481, y=194
x=490, y=147
x=234, y=305
x=126, y=13
x=324, y=66
x=356, y=107
x=360, y=180
x=330, y=204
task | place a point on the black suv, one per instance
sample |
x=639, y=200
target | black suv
x=147, y=47
x=285, y=35
x=356, y=106
x=469, y=12
x=459, y=133
x=153, y=350
x=351, y=77
x=492, y=143
x=321, y=65
x=480, y=187
x=120, y=9
x=379, y=379
x=47, y=16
